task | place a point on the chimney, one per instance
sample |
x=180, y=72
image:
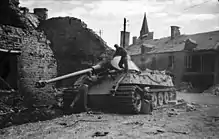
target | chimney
x=127, y=36
x=42, y=13
x=134, y=39
x=174, y=31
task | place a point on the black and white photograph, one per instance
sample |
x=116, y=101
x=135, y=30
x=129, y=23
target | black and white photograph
x=109, y=69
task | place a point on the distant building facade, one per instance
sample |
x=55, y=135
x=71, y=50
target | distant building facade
x=191, y=58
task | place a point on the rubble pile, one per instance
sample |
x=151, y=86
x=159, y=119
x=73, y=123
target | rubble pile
x=214, y=90
x=185, y=87
x=182, y=104
x=10, y=104
x=14, y=111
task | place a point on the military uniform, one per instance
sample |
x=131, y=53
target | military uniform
x=124, y=58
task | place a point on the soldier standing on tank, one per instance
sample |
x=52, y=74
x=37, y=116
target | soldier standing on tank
x=124, y=57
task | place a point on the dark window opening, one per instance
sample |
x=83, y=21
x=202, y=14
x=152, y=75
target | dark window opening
x=200, y=63
x=208, y=64
x=171, y=62
x=188, y=62
x=8, y=71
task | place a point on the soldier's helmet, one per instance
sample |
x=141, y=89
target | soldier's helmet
x=116, y=45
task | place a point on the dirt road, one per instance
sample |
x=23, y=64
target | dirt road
x=199, y=98
x=166, y=123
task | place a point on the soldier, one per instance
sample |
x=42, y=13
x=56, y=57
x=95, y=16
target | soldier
x=148, y=99
x=123, y=61
x=80, y=98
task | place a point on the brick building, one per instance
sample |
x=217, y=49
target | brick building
x=25, y=52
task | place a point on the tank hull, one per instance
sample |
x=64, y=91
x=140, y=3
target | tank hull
x=119, y=94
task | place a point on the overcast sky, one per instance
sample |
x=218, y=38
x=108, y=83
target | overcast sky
x=108, y=15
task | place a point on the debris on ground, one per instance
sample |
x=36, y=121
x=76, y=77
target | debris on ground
x=133, y=123
x=10, y=105
x=154, y=130
x=173, y=102
x=182, y=104
x=179, y=132
x=100, y=134
x=172, y=112
x=185, y=87
x=181, y=101
x=214, y=90
x=14, y=112
x=190, y=107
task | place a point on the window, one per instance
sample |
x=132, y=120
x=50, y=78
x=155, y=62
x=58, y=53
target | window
x=171, y=61
x=188, y=62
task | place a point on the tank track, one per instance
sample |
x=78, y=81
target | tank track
x=125, y=99
x=161, y=97
x=125, y=95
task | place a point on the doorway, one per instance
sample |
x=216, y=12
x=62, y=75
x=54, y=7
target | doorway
x=8, y=70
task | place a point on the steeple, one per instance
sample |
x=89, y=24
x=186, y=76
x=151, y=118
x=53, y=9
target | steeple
x=144, y=28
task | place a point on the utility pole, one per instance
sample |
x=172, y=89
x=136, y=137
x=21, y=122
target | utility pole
x=100, y=32
x=124, y=32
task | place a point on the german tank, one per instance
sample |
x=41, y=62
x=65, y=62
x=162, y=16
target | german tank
x=106, y=86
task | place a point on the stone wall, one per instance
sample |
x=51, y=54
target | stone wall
x=35, y=62
x=10, y=14
x=75, y=46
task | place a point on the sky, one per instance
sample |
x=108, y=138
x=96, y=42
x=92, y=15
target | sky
x=192, y=16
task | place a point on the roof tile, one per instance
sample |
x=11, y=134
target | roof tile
x=205, y=41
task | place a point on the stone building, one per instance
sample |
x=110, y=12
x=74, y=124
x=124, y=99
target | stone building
x=26, y=53
x=191, y=58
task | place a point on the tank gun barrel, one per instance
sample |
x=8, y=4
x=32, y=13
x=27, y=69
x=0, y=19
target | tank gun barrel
x=42, y=83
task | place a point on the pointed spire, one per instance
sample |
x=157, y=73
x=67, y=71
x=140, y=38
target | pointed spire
x=144, y=28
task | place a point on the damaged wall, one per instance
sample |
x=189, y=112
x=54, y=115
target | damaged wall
x=35, y=62
x=75, y=46
x=11, y=15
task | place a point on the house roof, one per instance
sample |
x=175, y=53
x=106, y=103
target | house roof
x=204, y=41
x=136, y=49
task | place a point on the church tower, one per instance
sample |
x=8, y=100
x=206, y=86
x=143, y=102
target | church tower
x=144, y=33
x=144, y=27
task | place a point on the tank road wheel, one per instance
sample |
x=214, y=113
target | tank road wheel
x=154, y=100
x=137, y=102
x=166, y=98
x=160, y=98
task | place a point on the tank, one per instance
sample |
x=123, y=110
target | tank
x=109, y=87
